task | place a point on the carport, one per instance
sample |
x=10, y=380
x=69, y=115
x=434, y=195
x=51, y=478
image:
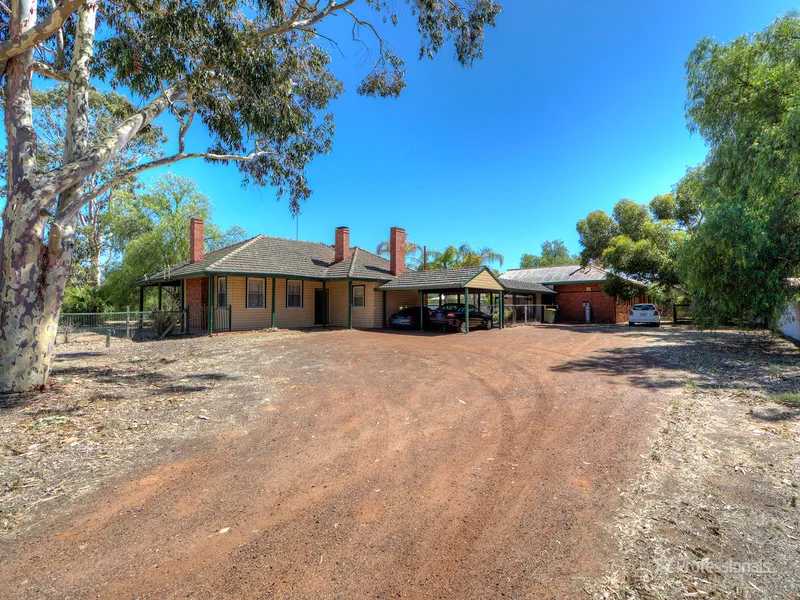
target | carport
x=465, y=280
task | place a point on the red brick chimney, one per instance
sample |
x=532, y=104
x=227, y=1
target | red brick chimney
x=397, y=251
x=342, y=245
x=197, y=248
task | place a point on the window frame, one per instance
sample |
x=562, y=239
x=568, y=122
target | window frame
x=217, y=292
x=247, y=293
x=364, y=296
x=302, y=294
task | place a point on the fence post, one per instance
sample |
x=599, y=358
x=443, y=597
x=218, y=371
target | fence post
x=128, y=322
x=108, y=338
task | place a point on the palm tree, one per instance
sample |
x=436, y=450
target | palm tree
x=463, y=256
x=413, y=252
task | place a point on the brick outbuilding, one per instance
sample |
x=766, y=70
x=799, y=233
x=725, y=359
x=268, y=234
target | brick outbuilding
x=576, y=286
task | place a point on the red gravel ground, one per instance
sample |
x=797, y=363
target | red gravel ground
x=382, y=466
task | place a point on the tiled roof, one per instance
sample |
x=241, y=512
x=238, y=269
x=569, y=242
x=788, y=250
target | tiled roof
x=263, y=255
x=558, y=275
x=433, y=279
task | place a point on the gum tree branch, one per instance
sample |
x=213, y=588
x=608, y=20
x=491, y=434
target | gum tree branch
x=39, y=33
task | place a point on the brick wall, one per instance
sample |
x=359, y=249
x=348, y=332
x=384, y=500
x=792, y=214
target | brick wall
x=605, y=309
x=194, y=293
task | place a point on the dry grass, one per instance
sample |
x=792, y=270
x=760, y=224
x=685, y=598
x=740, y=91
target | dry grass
x=714, y=513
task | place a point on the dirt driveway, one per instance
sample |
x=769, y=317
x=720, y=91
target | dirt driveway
x=348, y=464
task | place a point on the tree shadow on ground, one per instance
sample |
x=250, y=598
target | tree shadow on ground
x=747, y=360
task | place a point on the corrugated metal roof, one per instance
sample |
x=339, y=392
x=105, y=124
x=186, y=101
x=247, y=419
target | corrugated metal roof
x=555, y=275
x=434, y=279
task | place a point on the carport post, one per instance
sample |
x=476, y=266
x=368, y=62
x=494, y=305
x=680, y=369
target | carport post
x=466, y=308
x=159, y=296
x=210, y=304
x=421, y=313
x=141, y=298
x=272, y=306
x=384, y=309
x=350, y=304
x=183, y=304
x=502, y=310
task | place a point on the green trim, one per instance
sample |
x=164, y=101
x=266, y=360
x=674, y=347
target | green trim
x=324, y=304
x=253, y=275
x=421, y=311
x=466, y=307
x=216, y=296
x=272, y=306
x=247, y=292
x=210, y=304
x=302, y=293
x=487, y=270
x=350, y=304
x=365, y=295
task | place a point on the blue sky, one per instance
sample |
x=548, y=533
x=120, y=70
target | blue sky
x=575, y=105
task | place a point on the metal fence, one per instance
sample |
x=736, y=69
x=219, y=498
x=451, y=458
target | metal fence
x=198, y=318
x=126, y=324
x=525, y=314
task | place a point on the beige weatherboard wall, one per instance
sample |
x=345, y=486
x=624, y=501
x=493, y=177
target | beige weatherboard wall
x=369, y=316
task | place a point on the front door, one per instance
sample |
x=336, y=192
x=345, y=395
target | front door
x=320, y=307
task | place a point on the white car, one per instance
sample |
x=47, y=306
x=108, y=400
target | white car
x=647, y=314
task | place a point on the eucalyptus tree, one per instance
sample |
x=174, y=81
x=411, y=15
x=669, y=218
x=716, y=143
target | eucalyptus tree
x=92, y=238
x=254, y=73
x=554, y=253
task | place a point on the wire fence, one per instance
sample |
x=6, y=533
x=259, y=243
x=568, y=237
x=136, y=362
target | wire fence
x=526, y=314
x=122, y=324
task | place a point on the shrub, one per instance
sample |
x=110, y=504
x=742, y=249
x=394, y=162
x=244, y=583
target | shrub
x=788, y=398
x=84, y=300
x=161, y=321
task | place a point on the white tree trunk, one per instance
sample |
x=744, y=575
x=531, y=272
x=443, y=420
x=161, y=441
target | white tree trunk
x=33, y=274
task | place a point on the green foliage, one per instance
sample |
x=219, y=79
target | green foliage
x=641, y=242
x=162, y=320
x=149, y=229
x=618, y=287
x=255, y=77
x=742, y=99
x=463, y=256
x=85, y=300
x=554, y=253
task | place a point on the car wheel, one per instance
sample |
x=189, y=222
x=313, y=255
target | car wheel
x=489, y=324
x=463, y=327
x=442, y=329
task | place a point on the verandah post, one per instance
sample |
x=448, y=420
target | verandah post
x=324, y=303
x=272, y=306
x=384, y=309
x=350, y=304
x=159, y=296
x=210, y=304
x=141, y=298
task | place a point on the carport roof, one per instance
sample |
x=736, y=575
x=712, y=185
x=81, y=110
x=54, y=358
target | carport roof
x=525, y=287
x=437, y=279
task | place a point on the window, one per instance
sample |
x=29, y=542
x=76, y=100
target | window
x=222, y=292
x=256, y=292
x=359, y=296
x=294, y=293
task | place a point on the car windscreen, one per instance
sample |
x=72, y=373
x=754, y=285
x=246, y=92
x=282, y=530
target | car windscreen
x=409, y=312
x=644, y=307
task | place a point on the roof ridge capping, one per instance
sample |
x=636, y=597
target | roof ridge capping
x=242, y=244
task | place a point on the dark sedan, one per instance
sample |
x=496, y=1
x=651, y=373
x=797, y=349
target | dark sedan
x=452, y=316
x=408, y=318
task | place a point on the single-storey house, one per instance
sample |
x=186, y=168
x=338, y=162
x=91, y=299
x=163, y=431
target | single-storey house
x=276, y=282
x=575, y=287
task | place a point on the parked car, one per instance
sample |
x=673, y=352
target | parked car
x=408, y=318
x=646, y=314
x=451, y=316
